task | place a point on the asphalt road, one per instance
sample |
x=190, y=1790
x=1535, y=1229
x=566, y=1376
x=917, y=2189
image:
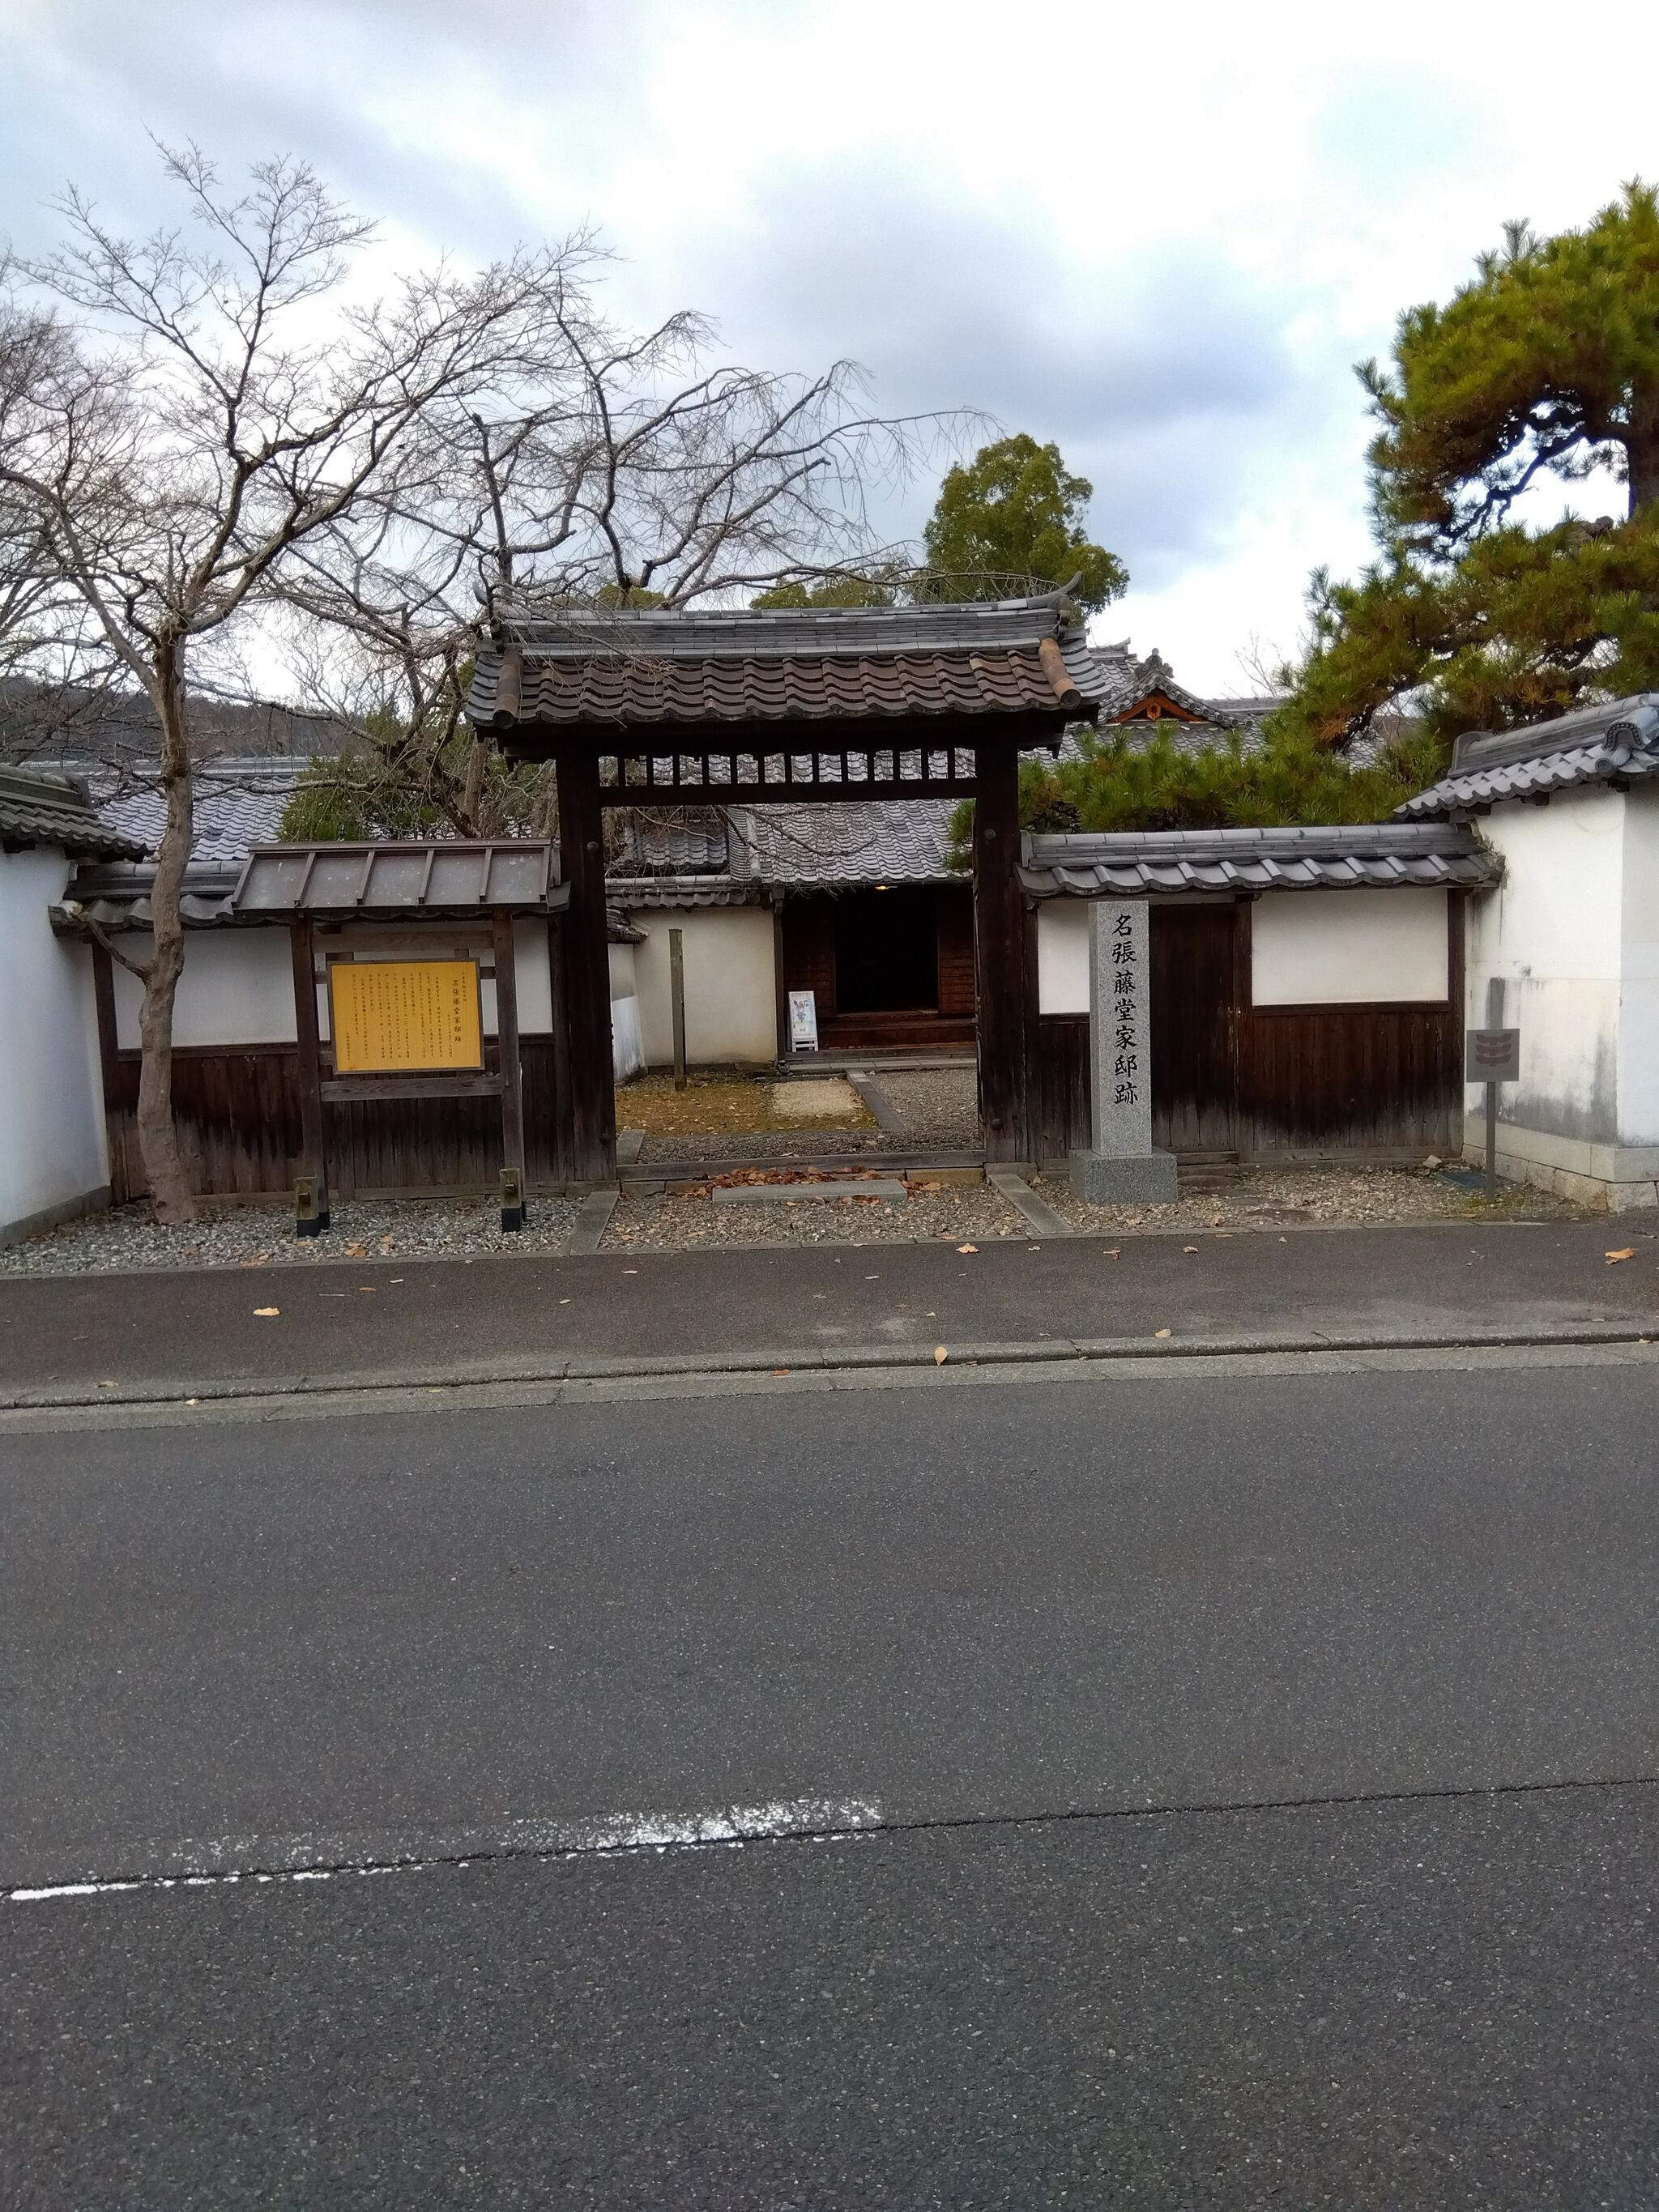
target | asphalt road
x=173, y=1333
x=1251, y=1790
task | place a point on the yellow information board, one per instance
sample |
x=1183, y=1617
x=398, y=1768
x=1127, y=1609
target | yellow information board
x=395, y=1016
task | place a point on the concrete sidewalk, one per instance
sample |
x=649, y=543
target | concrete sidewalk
x=98, y=1338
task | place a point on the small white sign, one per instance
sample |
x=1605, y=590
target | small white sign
x=803, y=1022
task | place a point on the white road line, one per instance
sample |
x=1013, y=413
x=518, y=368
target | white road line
x=319, y=1858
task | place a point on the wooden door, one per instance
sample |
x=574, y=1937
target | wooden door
x=1194, y=1031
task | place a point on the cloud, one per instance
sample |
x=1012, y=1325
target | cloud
x=1159, y=238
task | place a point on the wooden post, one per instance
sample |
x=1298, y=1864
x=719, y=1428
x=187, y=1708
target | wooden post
x=314, y=1158
x=1242, y=1021
x=514, y=1210
x=109, y=1068
x=676, y=1001
x=559, y=1016
x=587, y=971
x=1000, y=956
x=780, y=985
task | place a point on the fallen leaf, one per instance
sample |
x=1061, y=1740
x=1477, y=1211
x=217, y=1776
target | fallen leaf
x=780, y=1370
x=1629, y=1253
x=110, y=1385
x=1189, y=1248
x=265, y=1313
x=1115, y=1255
x=1215, y=1220
x=1160, y=1332
x=967, y=1248
x=940, y=1355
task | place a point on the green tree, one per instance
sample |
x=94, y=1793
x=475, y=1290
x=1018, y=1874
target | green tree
x=1120, y=782
x=1545, y=365
x=1012, y=517
x=832, y=592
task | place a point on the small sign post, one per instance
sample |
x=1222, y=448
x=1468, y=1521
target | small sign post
x=1492, y=1057
x=803, y=1022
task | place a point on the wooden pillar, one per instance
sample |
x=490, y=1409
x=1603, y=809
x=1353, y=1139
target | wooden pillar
x=109, y=1069
x=314, y=1152
x=559, y=1018
x=780, y=985
x=512, y=1066
x=1006, y=1017
x=587, y=972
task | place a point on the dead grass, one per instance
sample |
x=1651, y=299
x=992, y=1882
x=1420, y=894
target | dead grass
x=721, y=1102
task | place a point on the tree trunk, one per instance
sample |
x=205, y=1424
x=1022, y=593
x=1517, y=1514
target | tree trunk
x=1641, y=453
x=158, y=1139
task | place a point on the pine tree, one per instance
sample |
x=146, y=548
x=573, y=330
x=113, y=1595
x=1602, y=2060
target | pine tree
x=1544, y=366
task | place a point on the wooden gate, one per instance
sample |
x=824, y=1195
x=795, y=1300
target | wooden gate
x=1194, y=1031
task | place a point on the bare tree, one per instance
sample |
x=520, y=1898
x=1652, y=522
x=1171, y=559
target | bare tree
x=198, y=407
x=609, y=469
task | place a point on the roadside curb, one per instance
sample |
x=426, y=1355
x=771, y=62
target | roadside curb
x=797, y=1360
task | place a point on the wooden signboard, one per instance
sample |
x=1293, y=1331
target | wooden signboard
x=404, y=1017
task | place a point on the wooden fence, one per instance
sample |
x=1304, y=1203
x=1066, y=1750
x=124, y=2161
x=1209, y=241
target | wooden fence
x=237, y=1110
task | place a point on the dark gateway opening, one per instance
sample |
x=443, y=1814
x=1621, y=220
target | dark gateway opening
x=886, y=951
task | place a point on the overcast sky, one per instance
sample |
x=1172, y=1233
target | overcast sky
x=1159, y=235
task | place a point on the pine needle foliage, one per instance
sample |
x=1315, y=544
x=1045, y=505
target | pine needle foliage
x=1544, y=367
x=1124, y=783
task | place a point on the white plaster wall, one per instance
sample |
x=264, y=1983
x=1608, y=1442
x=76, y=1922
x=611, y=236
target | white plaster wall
x=1348, y=948
x=731, y=995
x=1063, y=955
x=53, y=1149
x=1638, y=999
x=1551, y=935
x=237, y=987
x=623, y=982
x=535, y=989
x=1310, y=948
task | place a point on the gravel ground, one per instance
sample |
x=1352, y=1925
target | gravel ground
x=963, y=1213
x=1259, y=1198
x=766, y=1144
x=260, y=1235
x=938, y=1105
x=719, y=1103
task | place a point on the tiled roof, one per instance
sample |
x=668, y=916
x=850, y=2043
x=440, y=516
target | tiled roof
x=689, y=845
x=1617, y=743
x=1376, y=855
x=882, y=840
x=40, y=808
x=628, y=894
x=238, y=805
x=633, y=668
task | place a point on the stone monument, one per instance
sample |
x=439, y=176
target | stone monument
x=1121, y=1164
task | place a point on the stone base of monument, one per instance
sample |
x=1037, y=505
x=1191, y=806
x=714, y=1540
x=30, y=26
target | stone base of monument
x=1120, y=1178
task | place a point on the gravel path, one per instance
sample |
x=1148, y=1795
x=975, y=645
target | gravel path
x=261, y=1236
x=766, y=1144
x=963, y=1213
x=1260, y=1198
x=938, y=1106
